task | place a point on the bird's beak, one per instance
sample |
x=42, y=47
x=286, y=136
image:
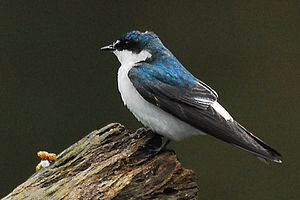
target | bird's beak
x=110, y=47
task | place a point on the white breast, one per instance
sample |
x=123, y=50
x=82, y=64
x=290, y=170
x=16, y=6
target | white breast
x=150, y=115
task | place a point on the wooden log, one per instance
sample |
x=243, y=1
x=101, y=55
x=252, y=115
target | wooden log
x=111, y=163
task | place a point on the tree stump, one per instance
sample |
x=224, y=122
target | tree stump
x=111, y=163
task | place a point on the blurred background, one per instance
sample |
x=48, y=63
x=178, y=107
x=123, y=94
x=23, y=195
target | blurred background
x=56, y=87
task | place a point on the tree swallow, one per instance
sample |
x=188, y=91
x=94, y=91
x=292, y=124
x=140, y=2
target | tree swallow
x=165, y=97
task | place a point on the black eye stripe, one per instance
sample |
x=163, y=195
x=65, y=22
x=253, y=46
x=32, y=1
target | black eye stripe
x=131, y=45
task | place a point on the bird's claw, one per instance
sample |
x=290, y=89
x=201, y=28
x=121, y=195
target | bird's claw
x=153, y=149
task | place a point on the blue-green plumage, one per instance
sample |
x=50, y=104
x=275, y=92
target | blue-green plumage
x=165, y=96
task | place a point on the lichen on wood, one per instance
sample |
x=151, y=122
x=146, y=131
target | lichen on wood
x=111, y=163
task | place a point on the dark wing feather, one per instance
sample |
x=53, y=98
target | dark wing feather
x=191, y=102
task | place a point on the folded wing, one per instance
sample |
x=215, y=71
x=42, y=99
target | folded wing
x=181, y=94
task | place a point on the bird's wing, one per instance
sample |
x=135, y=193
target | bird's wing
x=182, y=95
x=178, y=93
x=174, y=84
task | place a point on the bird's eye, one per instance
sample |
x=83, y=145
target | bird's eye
x=125, y=44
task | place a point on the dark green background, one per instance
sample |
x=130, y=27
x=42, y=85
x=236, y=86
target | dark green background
x=55, y=85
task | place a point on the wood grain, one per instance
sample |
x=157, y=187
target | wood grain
x=111, y=163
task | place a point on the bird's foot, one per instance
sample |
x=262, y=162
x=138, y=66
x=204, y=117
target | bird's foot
x=157, y=144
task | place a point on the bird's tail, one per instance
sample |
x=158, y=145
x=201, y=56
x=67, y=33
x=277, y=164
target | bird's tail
x=256, y=146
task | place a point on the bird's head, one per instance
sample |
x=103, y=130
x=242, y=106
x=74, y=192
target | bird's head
x=135, y=46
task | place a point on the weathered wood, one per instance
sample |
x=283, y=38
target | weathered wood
x=111, y=163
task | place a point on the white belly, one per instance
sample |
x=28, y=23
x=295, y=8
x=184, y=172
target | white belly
x=150, y=115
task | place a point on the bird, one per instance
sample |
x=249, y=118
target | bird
x=166, y=98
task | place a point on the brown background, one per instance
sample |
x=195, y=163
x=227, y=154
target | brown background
x=55, y=86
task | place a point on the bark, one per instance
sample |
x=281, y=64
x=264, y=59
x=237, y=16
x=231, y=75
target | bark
x=111, y=163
